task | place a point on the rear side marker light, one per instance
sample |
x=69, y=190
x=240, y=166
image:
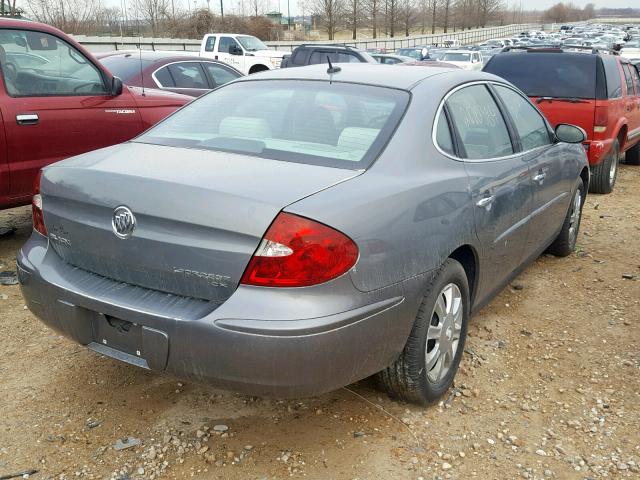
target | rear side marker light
x=36, y=207
x=299, y=252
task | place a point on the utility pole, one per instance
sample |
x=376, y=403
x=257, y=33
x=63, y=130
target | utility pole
x=221, y=10
x=289, y=15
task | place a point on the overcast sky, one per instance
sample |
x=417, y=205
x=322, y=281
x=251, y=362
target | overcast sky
x=234, y=6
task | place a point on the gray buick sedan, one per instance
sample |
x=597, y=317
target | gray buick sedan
x=301, y=229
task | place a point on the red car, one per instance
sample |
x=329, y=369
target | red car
x=599, y=92
x=56, y=101
x=172, y=71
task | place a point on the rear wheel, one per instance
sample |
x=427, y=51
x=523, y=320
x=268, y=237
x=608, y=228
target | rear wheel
x=633, y=155
x=257, y=68
x=565, y=242
x=425, y=369
x=603, y=175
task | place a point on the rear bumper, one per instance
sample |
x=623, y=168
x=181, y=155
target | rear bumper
x=597, y=150
x=301, y=343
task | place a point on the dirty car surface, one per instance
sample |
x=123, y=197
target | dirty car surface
x=296, y=231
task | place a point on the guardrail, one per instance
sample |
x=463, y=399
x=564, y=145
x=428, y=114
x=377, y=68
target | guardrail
x=465, y=37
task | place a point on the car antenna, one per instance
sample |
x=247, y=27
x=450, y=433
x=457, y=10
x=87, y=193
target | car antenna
x=331, y=68
x=139, y=58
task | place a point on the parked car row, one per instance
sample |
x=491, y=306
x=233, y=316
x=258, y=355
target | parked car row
x=597, y=91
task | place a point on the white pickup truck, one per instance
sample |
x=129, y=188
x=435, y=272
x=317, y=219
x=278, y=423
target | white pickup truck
x=246, y=53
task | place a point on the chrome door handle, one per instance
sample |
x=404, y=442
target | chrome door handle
x=486, y=202
x=27, y=119
x=540, y=177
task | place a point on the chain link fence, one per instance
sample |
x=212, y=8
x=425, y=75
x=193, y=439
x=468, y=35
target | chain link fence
x=465, y=37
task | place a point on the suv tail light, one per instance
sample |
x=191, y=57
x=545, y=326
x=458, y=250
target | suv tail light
x=601, y=119
x=36, y=207
x=298, y=252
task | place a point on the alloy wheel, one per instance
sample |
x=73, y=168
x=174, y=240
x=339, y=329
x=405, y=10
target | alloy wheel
x=574, y=219
x=443, y=334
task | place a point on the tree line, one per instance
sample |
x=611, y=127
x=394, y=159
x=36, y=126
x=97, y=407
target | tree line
x=356, y=19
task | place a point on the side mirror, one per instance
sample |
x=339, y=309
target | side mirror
x=235, y=50
x=570, y=133
x=116, y=87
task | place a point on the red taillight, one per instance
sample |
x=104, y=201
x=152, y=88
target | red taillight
x=36, y=207
x=298, y=252
x=601, y=119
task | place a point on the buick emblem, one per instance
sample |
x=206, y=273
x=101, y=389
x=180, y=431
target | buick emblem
x=123, y=222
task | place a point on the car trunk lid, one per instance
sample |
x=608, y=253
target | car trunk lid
x=200, y=215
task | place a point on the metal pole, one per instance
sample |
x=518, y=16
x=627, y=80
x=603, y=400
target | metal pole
x=221, y=10
x=289, y=14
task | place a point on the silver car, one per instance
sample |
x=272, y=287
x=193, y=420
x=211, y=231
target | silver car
x=301, y=229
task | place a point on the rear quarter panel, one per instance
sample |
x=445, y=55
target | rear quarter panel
x=409, y=211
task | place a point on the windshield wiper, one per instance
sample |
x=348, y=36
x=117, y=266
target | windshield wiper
x=561, y=99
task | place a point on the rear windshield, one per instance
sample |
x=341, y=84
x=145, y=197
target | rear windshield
x=456, y=57
x=410, y=52
x=125, y=68
x=332, y=124
x=548, y=74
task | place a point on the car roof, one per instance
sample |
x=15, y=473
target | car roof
x=152, y=55
x=390, y=76
x=22, y=24
x=461, y=50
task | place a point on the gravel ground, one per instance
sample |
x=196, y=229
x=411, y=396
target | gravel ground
x=548, y=388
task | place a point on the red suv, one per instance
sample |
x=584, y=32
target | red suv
x=597, y=91
x=57, y=101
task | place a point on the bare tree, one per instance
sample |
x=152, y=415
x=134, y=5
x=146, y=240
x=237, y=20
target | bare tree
x=330, y=13
x=433, y=7
x=354, y=16
x=407, y=14
x=152, y=11
x=487, y=9
x=257, y=7
x=373, y=15
x=391, y=14
x=446, y=6
x=71, y=16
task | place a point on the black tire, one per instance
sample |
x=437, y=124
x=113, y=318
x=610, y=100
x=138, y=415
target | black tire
x=602, y=178
x=409, y=378
x=565, y=242
x=633, y=155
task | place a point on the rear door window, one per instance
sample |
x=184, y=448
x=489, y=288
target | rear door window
x=636, y=78
x=300, y=56
x=164, y=78
x=529, y=123
x=482, y=129
x=347, y=58
x=443, y=134
x=320, y=56
x=211, y=42
x=188, y=75
x=628, y=78
x=219, y=74
x=614, y=83
x=560, y=75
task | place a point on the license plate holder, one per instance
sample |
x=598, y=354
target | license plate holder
x=118, y=334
